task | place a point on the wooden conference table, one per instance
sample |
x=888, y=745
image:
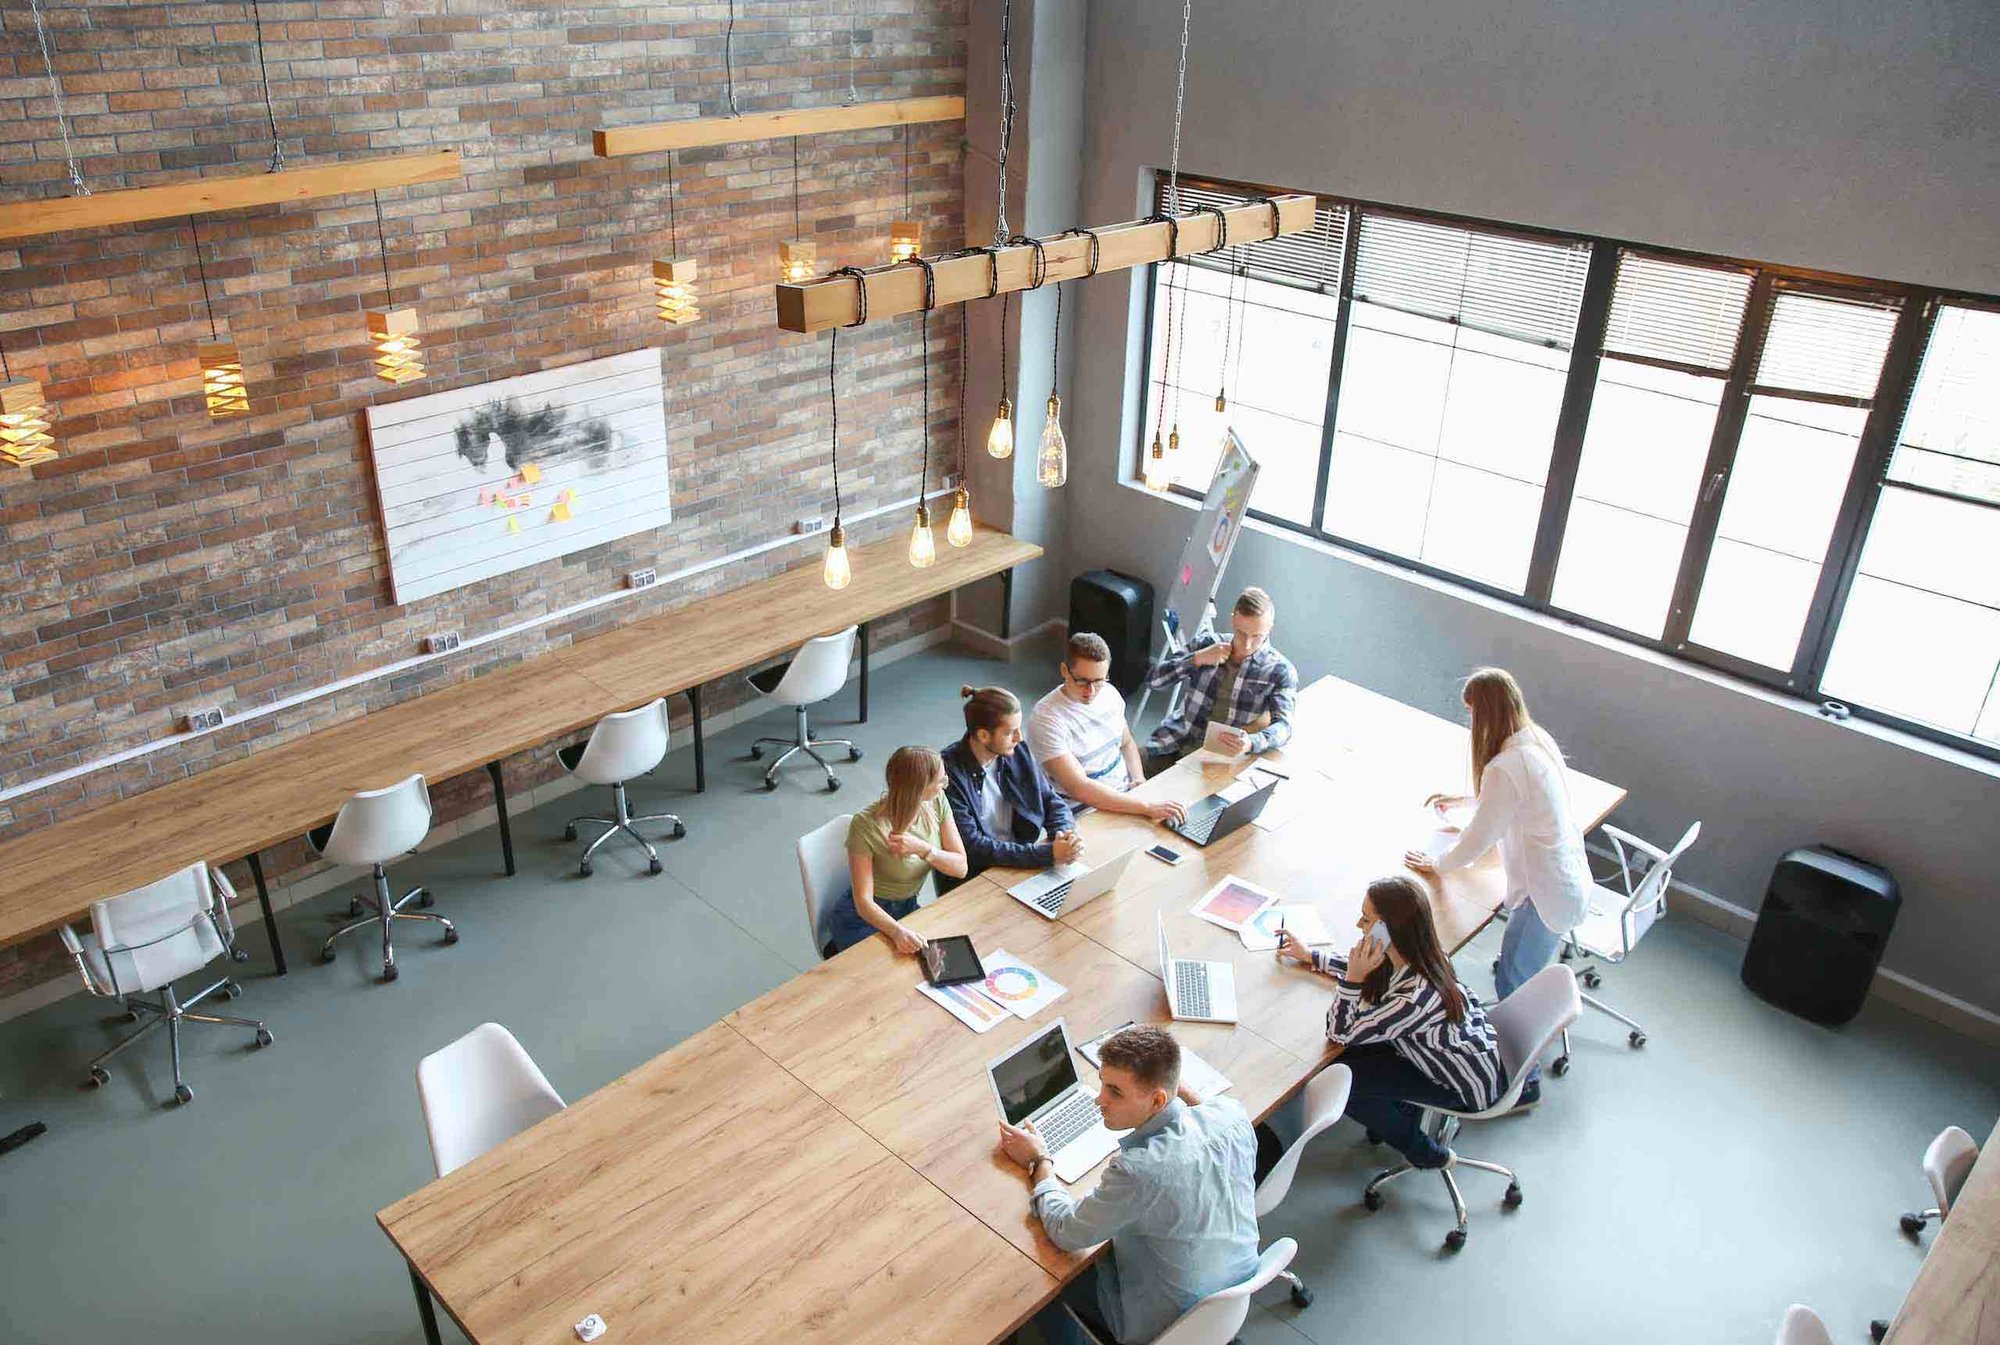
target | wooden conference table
x=271, y=796
x=838, y=1179
x=1956, y=1297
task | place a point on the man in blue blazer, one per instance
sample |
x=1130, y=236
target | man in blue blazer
x=1007, y=812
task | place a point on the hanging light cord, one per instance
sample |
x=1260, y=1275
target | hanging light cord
x=264, y=73
x=795, y=186
x=1166, y=352
x=673, y=229
x=1000, y=229
x=1055, y=346
x=853, y=42
x=930, y=302
x=1228, y=323
x=202, y=271
x=964, y=351
x=833, y=405
x=7, y=372
x=382, y=248
x=729, y=61
x=906, y=170
x=77, y=185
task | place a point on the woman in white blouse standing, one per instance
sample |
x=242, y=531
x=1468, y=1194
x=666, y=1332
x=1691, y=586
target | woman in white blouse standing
x=1521, y=802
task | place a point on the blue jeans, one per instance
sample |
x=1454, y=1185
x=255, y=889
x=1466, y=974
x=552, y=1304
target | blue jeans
x=1054, y=1325
x=1526, y=947
x=845, y=927
x=1389, y=1096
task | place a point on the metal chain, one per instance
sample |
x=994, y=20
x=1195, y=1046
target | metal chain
x=1000, y=229
x=264, y=73
x=729, y=61
x=76, y=182
x=1180, y=95
x=853, y=41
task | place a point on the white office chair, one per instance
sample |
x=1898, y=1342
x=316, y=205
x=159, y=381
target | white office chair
x=1525, y=1022
x=622, y=747
x=143, y=941
x=1326, y=1102
x=1947, y=1163
x=1619, y=917
x=824, y=875
x=371, y=829
x=1215, y=1320
x=816, y=672
x=478, y=1091
x=1802, y=1326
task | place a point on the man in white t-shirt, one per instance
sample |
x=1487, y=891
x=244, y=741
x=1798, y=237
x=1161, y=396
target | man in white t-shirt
x=1078, y=736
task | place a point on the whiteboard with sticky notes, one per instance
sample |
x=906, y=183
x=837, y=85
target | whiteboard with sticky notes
x=1213, y=538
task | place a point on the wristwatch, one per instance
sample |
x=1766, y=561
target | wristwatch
x=1036, y=1163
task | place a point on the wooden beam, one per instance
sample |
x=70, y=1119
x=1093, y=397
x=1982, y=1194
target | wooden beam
x=615, y=141
x=205, y=196
x=832, y=301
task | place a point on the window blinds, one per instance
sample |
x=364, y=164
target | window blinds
x=1524, y=288
x=1835, y=346
x=1685, y=315
x=1951, y=437
x=1312, y=257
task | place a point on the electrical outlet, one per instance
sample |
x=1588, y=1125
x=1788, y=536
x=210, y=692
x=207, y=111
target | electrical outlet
x=442, y=643
x=806, y=527
x=202, y=718
x=642, y=578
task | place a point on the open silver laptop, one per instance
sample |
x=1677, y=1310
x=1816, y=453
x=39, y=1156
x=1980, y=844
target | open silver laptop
x=1197, y=992
x=1037, y=1081
x=1058, y=891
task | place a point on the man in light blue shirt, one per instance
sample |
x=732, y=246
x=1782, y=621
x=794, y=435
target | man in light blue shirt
x=1177, y=1201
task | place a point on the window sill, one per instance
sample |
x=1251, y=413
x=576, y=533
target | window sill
x=1805, y=710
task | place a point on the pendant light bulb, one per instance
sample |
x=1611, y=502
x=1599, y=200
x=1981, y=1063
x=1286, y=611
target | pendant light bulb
x=1221, y=403
x=923, y=546
x=798, y=260
x=959, y=531
x=1052, y=464
x=392, y=333
x=1158, y=477
x=24, y=424
x=906, y=239
x=222, y=386
x=1000, y=439
x=673, y=290
x=837, y=572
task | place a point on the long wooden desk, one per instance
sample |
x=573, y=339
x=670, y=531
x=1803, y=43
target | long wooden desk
x=910, y=1078
x=1956, y=1297
x=239, y=809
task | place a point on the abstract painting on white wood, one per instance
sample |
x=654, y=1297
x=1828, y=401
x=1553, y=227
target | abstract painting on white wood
x=484, y=480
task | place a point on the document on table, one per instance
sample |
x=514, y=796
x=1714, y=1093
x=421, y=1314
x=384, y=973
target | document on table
x=1232, y=902
x=966, y=1004
x=1017, y=987
x=1205, y=1079
x=1260, y=931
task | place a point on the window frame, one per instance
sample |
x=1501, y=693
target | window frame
x=1867, y=477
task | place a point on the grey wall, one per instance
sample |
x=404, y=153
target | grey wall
x=1829, y=133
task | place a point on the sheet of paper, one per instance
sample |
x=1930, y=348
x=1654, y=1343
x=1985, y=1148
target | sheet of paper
x=1287, y=802
x=1017, y=987
x=1260, y=931
x=1231, y=902
x=966, y=1004
x=1205, y=1079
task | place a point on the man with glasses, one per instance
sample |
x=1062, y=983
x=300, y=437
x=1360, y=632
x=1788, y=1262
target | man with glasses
x=1078, y=735
x=1243, y=683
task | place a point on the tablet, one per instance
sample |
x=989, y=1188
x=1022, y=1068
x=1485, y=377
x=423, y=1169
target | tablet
x=952, y=960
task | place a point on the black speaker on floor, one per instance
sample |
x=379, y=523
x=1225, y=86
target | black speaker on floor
x=1119, y=608
x=1821, y=933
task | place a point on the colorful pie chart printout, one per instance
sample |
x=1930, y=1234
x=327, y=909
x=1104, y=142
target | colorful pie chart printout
x=1018, y=987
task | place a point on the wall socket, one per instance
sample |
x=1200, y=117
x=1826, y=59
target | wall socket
x=806, y=527
x=642, y=578
x=442, y=643
x=202, y=718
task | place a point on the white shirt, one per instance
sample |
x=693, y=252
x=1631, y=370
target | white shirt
x=1524, y=808
x=1094, y=734
x=993, y=806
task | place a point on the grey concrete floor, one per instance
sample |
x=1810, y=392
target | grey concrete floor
x=1742, y=1161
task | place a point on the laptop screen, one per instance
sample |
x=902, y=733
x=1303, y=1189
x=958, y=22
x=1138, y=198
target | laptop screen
x=1035, y=1075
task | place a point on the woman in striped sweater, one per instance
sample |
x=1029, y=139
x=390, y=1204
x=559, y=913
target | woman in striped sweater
x=1413, y=1035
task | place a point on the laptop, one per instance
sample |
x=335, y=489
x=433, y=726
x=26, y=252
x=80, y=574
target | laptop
x=1197, y=992
x=1037, y=1081
x=1056, y=892
x=1211, y=818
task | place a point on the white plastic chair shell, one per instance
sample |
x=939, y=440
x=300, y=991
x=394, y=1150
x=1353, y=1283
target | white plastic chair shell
x=153, y=935
x=480, y=1090
x=625, y=745
x=1326, y=1103
x=1802, y=1326
x=376, y=825
x=823, y=873
x=817, y=671
x=1947, y=1163
x=1619, y=919
x=1526, y=1022
x=1216, y=1319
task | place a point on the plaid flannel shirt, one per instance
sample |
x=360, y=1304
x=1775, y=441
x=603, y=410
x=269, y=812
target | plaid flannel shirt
x=1266, y=683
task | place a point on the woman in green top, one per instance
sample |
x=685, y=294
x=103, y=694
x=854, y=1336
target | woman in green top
x=892, y=846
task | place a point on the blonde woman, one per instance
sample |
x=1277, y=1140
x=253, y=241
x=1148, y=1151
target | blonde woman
x=892, y=846
x=1521, y=803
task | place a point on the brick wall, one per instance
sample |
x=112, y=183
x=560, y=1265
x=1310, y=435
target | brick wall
x=166, y=560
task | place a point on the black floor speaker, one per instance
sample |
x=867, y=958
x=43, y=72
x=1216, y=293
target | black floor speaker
x=1119, y=608
x=1821, y=933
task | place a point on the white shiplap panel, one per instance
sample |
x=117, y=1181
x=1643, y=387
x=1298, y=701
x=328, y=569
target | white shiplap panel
x=439, y=535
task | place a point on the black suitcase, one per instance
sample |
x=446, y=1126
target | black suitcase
x=1821, y=933
x=1119, y=608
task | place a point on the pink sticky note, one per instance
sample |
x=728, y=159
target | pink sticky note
x=486, y=494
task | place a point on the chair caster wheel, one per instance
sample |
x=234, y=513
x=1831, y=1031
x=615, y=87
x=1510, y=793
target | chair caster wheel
x=353, y=907
x=1454, y=1240
x=569, y=833
x=832, y=783
x=238, y=955
x=1302, y=1297
x=680, y=830
x=770, y=785
x=1912, y=1224
x=183, y=1094
x=585, y=868
x=1560, y=1066
x=99, y=1076
x=1566, y=954
x=1877, y=1329
x=1637, y=1039
x=326, y=955
x=229, y=990
x=450, y=936
x=389, y=972
x=654, y=866
x=756, y=752
x=132, y=1016
x=854, y=754
x=263, y=1036
x=1592, y=980
x=1372, y=1199
x=1512, y=1200
x=424, y=899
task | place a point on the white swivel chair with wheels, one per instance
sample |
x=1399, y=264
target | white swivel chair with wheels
x=824, y=875
x=815, y=672
x=1525, y=1022
x=1802, y=1326
x=1947, y=1163
x=1326, y=1103
x=371, y=829
x=622, y=747
x=478, y=1091
x=1620, y=916
x=1215, y=1320
x=142, y=941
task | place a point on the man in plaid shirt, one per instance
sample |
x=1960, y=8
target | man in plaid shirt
x=1253, y=685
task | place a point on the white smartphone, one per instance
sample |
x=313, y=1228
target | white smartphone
x=1378, y=934
x=1164, y=854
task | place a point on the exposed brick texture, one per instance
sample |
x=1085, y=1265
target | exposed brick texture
x=166, y=561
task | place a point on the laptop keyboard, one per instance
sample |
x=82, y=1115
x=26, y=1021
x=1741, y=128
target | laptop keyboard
x=1051, y=901
x=1191, y=989
x=1200, y=829
x=1068, y=1121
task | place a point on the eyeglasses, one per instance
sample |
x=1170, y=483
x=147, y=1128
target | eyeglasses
x=1086, y=682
